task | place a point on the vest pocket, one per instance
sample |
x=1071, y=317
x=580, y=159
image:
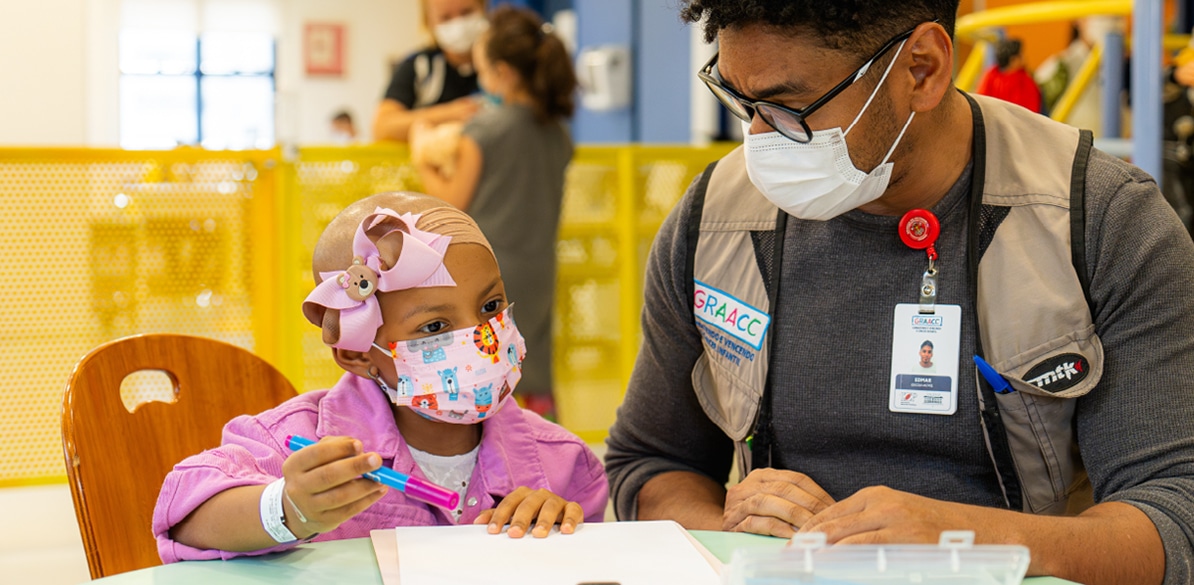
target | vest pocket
x=1040, y=434
x=1039, y=416
x=729, y=402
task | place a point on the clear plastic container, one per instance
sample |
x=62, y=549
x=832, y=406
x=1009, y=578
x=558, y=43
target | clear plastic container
x=956, y=560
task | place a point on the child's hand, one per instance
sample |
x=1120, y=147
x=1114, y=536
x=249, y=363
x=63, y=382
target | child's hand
x=324, y=487
x=525, y=505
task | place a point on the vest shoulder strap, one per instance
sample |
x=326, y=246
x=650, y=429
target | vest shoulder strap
x=693, y=230
x=1078, y=213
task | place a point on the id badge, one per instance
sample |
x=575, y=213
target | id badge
x=924, y=360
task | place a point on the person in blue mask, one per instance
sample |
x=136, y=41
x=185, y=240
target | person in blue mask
x=508, y=172
x=873, y=205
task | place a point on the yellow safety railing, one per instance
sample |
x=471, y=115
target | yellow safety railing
x=100, y=244
x=1074, y=90
x=972, y=25
x=978, y=27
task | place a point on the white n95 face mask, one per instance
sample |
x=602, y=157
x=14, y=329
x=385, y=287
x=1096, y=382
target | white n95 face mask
x=458, y=35
x=817, y=180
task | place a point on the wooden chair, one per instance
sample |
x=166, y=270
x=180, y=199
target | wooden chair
x=116, y=460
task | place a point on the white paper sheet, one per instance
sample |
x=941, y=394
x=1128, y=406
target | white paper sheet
x=622, y=553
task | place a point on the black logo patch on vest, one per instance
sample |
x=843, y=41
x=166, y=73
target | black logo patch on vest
x=1058, y=373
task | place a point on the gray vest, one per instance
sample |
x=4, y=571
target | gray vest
x=1038, y=334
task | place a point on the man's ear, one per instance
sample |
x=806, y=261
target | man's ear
x=932, y=68
x=355, y=362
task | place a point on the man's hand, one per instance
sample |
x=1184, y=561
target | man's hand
x=773, y=502
x=881, y=515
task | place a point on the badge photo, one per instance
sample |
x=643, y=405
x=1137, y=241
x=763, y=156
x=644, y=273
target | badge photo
x=924, y=360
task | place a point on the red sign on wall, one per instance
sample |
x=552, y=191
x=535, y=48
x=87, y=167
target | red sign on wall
x=323, y=48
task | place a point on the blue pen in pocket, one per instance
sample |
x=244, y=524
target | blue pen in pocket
x=997, y=382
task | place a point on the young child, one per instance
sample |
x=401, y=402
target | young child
x=411, y=301
x=509, y=171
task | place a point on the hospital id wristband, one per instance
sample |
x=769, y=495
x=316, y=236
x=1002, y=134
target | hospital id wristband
x=273, y=516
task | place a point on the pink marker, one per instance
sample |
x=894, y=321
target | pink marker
x=411, y=486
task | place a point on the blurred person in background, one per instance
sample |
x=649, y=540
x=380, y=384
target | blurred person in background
x=1060, y=69
x=1177, y=182
x=1008, y=80
x=344, y=131
x=434, y=85
x=508, y=173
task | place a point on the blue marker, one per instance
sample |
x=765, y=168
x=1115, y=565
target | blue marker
x=996, y=381
x=411, y=486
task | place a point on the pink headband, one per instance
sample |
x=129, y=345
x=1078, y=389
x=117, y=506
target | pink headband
x=353, y=291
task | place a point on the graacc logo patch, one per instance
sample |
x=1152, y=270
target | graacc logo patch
x=1059, y=373
x=730, y=314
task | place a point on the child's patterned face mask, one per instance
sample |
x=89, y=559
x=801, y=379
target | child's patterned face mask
x=460, y=376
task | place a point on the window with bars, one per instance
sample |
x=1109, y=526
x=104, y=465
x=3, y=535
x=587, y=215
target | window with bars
x=215, y=90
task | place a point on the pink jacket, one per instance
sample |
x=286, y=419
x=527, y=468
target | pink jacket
x=518, y=448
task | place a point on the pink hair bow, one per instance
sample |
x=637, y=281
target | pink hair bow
x=353, y=290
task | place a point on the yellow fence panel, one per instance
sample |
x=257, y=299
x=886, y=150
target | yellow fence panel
x=320, y=183
x=614, y=201
x=100, y=244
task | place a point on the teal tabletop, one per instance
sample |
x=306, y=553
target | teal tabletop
x=352, y=562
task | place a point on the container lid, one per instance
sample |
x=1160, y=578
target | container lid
x=955, y=560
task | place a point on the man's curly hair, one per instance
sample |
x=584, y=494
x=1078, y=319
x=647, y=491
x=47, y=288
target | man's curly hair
x=856, y=26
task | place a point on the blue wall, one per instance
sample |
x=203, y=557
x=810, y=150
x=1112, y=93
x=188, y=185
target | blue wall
x=546, y=8
x=601, y=22
x=659, y=45
x=663, y=74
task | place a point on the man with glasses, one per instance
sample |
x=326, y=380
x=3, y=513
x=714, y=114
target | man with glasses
x=873, y=206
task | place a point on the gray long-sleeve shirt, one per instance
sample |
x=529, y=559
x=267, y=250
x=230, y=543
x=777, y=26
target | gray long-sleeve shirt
x=840, y=282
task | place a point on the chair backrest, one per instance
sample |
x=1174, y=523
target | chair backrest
x=116, y=459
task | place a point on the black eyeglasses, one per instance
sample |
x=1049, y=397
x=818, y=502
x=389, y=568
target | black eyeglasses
x=785, y=120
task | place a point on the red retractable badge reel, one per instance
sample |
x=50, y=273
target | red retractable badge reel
x=919, y=229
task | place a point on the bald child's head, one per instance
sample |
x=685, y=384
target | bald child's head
x=334, y=252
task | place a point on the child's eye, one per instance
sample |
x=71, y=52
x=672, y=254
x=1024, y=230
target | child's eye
x=492, y=306
x=433, y=327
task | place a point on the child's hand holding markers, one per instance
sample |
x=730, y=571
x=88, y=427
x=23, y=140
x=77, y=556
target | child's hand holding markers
x=524, y=506
x=324, y=487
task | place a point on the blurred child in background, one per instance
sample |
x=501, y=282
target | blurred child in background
x=1008, y=80
x=509, y=172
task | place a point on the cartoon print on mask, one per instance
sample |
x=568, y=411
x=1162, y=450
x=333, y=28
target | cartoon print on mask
x=432, y=347
x=405, y=386
x=486, y=341
x=359, y=281
x=425, y=401
x=484, y=397
x=451, y=384
x=467, y=386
